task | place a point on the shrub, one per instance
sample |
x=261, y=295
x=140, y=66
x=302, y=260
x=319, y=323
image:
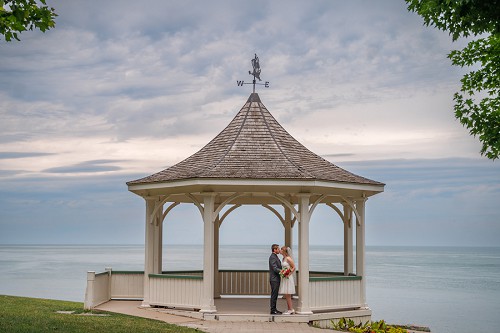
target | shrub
x=380, y=326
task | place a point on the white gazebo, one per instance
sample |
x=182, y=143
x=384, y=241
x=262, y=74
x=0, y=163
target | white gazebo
x=253, y=161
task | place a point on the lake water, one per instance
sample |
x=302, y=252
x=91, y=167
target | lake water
x=448, y=289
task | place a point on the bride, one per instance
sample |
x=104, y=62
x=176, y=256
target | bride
x=287, y=285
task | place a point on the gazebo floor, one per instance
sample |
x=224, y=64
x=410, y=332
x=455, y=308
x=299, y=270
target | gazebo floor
x=239, y=309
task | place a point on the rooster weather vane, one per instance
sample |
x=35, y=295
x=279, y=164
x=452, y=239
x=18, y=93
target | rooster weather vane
x=255, y=73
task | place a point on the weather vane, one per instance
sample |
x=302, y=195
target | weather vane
x=255, y=73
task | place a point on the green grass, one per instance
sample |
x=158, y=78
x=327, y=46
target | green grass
x=33, y=315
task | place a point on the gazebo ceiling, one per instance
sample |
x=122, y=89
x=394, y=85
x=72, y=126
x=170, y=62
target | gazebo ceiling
x=254, y=153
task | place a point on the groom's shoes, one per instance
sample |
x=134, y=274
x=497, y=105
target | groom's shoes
x=276, y=312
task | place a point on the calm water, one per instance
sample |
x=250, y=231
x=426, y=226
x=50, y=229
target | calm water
x=449, y=289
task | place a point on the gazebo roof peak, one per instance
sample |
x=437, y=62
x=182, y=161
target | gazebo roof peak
x=254, y=146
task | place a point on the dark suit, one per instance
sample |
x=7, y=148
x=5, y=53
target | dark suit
x=274, y=279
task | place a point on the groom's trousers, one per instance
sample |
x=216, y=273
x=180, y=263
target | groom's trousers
x=275, y=287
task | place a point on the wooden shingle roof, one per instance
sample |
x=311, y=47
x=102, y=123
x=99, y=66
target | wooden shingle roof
x=254, y=146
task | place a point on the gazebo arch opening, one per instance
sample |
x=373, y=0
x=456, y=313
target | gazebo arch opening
x=182, y=226
x=327, y=230
x=255, y=224
x=235, y=276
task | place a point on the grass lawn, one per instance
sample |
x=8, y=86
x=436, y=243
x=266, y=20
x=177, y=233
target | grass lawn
x=30, y=315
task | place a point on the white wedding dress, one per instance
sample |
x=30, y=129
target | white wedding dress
x=287, y=285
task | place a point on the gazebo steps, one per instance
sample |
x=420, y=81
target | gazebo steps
x=255, y=310
x=321, y=319
x=258, y=318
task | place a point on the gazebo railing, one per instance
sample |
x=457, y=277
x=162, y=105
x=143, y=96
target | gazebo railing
x=102, y=287
x=176, y=290
x=183, y=289
x=244, y=282
x=334, y=291
x=98, y=289
x=127, y=285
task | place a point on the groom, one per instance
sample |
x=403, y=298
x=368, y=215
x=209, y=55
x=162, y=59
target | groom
x=274, y=277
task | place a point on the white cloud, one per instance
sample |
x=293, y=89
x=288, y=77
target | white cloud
x=123, y=89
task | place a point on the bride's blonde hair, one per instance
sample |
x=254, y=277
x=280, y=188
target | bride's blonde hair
x=285, y=249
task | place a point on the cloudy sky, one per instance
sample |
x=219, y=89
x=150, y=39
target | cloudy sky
x=123, y=89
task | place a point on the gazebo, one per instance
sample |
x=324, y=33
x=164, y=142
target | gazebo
x=253, y=161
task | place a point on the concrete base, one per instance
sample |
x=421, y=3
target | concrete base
x=243, y=318
x=256, y=310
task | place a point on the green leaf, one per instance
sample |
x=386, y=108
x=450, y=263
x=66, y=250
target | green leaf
x=22, y=15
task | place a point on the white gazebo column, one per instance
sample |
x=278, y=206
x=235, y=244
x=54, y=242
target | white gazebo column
x=348, y=250
x=207, y=299
x=148, y=248
x=288, y=227
x=304, y=218
x=360, y=249
x=216, y=258
x=158, y=242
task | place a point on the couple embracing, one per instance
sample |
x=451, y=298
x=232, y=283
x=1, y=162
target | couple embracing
x=281, y=278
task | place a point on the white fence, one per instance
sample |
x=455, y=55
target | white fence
x=334, y=292
x=177, y=289
x=184, y=289
x=127, y=284
x=98, y=289
x=244, y=282
x=180, y=291
x=102, y=287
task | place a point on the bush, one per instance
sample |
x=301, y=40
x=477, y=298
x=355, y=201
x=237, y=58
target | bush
x=380, y=326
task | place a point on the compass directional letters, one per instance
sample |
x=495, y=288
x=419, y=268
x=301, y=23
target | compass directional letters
x=241, y=83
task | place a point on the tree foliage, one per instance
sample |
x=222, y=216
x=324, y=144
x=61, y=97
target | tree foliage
x=17, y=16
x=477, y=104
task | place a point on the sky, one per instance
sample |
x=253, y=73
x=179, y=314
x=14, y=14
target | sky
x=119, y=90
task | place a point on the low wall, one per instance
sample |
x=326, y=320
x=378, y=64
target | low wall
x=183, y=289
x=127, y=284
x=175, y=290
x=98, y=289
x=334, y=291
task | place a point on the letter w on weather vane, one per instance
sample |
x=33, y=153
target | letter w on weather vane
x=256, y=75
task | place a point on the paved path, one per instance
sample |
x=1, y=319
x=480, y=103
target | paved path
x=132, y=308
